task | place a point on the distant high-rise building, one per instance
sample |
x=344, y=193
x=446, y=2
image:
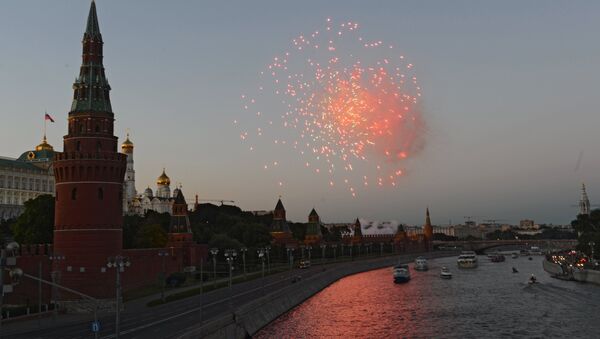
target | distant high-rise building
x=584, y=202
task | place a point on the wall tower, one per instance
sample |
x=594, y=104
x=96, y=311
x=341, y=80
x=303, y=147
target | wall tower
x=584, y=202
x=89, y=177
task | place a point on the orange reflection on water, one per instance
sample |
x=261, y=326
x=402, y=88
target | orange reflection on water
x=349, y=307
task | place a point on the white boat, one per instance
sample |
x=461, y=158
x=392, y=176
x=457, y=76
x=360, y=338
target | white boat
x=401, y=273
x=467, y=259
x=421, y=264
x=515, y=255
x=535, y=251
x=445, y=273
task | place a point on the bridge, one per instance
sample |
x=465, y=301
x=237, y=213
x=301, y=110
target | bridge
x=479, y=246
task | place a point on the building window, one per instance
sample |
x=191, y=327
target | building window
x=78, y=146
x=98, y=146
x=97, y=129
x=74, y=194
x=100, y=193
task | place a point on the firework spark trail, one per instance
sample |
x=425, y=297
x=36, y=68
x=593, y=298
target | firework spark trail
x=348, y=106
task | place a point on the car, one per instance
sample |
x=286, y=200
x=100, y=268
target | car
x=304, y=264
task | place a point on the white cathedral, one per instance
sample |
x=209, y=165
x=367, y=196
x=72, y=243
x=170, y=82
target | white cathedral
x=134, y=204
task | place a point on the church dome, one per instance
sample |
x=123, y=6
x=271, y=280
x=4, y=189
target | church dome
x=148, y=192
x=127, y=144
x=44, y=146
x=163, y=179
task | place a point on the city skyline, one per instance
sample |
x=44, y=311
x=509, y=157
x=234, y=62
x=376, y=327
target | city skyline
x=479, y=159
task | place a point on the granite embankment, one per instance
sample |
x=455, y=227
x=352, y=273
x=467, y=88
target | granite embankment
x=247, y=319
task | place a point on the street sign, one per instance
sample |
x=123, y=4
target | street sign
x=95, y=326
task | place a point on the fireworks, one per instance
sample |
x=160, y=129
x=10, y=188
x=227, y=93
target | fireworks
x=347, y=105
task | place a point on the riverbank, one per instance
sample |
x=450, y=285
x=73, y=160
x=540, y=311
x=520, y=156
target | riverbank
x=249, y=318
x=581, y=275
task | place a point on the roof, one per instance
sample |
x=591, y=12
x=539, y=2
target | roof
x=179, y=198
x=92, y=28
x=313, y=213
x=7, y=163
x=279, y=205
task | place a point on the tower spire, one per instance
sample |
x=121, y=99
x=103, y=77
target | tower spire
x=92, y=29
x=91, y=88
x=584, y=202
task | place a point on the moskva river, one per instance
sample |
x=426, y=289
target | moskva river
x=486, y=302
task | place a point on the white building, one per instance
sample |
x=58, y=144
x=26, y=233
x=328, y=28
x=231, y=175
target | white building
x=25, y=178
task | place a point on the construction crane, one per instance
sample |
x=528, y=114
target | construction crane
x=222, y=201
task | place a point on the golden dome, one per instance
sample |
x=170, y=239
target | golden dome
x=127, y=144
x=44, y=146
x=163, y=179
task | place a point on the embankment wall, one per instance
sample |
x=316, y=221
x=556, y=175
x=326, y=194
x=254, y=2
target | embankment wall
x=248, y=319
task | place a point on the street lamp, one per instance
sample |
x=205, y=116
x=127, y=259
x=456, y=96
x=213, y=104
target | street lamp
x=309, y=248
x=381, y=249
x=261, y=255
x=267, y=250
x=351, y=246
x=323, y=247
x=7, y=259
x=119, y=263
x=334, y=246
x=163, y=278
x=244, y=250
x=230, y=255
x=302, y=247
x=214, y=251
x=55, y=275
x=342, y=249
x=290, y=252
x=592, y=244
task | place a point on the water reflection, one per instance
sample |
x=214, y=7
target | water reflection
x=489, y=301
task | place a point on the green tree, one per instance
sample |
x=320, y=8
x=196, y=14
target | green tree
x=222, y=241
x=36, y=224
x=150, y=236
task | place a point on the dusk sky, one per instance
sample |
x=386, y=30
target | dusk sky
x=510, y=99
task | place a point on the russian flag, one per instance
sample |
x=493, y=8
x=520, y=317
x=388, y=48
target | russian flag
x=48, y=117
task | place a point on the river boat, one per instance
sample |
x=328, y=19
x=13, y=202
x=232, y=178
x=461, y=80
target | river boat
x=421, y=264
x=514, y=270
x=535, y=251
x=498, y=258
x=401, y=273
x=514, y=255
x=445, y=273
x=532, y=280
x=467, y=259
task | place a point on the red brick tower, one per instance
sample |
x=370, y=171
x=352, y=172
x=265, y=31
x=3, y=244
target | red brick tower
x=428, y=231
x=89, y=178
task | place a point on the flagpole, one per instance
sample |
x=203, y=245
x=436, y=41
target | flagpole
x=45, y=124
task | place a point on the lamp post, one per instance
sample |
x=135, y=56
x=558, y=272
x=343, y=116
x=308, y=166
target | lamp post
x=323, y=247
x=302, y=247
x=230, y=255
x=334, y=246
x=342, y=249
x=163, y=255
x=380, y=249
x=244, y=250
x=118, y=263
x=7, y=259
x=261, y=255
x=267, y=250
x=214, y=251
x=592, y=244
x=55, y=275
x=290, y=252
x=309, y=249
x=351, y=246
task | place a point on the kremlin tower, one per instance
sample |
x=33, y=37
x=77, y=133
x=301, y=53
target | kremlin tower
x=89, y=177
x=129, y=185
x=584, y=202
x=428, y=231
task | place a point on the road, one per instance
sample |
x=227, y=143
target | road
x=164, y=321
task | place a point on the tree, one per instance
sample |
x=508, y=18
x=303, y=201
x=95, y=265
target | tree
x=150, y=236
x=588, y=230
x=222, y=241
x=36, y=224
